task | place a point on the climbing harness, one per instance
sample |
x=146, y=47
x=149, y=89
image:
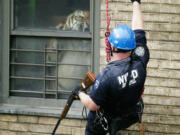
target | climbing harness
x=101, y=121
x=107, y=33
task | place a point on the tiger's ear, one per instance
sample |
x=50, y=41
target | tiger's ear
x=86, y=13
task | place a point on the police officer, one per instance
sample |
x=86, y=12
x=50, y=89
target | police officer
x=115, y=102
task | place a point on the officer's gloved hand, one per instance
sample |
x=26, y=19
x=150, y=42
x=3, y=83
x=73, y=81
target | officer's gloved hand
x=139, y=1
x=76, y=92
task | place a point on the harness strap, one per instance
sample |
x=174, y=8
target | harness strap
x=141, y=94
x=107, y=33
x=141, y=124
x=141, y=129
x=129, y=74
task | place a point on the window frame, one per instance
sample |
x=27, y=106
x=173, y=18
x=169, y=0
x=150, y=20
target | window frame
x=1, y=43
x=35, y=106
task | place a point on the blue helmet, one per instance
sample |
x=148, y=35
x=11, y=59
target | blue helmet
x=122, y=37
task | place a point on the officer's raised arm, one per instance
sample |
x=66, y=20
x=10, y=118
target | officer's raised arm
x=141, y=51
x=137, y=19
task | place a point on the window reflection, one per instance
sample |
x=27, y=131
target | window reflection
x=64, y=15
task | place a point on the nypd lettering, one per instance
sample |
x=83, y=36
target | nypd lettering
x=134, y=75
x=123, y=78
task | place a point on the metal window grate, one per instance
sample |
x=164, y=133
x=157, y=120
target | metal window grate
x=39, y=68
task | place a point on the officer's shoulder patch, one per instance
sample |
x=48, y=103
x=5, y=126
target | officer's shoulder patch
x=139, y=51
x=96, y=84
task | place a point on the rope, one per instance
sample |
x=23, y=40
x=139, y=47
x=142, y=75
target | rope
x=107, y=33
x=108, y=19
x=84, y=111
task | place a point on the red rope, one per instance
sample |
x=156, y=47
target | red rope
x=107, y=33
x=108, y=20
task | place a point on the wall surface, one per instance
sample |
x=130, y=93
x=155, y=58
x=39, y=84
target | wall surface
x=34, y=125
x=162, y=90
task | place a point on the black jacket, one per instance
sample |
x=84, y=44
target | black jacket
x=119, y=86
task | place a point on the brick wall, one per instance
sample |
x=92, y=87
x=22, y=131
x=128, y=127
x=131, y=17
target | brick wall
x=162, y=93
x=34, y=125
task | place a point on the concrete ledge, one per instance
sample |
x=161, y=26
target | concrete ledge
x=40, y=111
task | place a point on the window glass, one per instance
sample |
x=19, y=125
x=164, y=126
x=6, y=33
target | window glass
x=47, y=67
x=64, y=15
x=24, y=84
x=27, y=71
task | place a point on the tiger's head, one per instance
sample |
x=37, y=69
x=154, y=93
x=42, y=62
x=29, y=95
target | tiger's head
x=82, y=15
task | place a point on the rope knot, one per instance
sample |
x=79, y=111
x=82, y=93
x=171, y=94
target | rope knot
x=108, y=50
x=107, y=33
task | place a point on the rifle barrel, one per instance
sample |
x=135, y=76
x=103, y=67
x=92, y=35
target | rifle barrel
x=64, y=112
x=86, y=83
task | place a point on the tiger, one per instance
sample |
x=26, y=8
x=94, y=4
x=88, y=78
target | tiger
x=76, y=21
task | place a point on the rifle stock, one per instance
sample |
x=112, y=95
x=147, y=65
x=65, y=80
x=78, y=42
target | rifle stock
x=86, y=83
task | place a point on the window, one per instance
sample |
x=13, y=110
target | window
x=47, y=48
x=43, y=66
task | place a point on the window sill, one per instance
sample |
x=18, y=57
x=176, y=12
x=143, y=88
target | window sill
x=74, y=112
